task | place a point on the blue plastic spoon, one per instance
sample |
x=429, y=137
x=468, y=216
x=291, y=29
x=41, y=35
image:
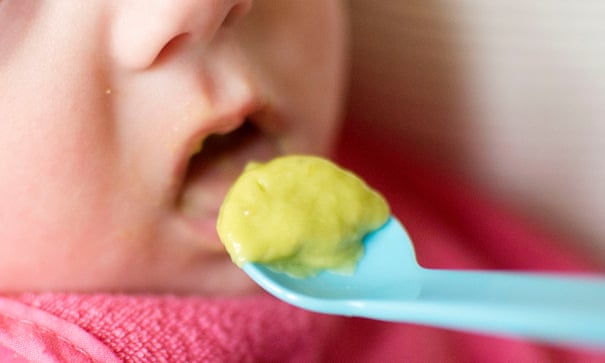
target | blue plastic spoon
x=390, y=285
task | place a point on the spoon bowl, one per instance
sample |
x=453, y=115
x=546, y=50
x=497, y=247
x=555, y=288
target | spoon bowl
x=389, y=284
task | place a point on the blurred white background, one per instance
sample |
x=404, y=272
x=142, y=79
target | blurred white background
x=510, y=93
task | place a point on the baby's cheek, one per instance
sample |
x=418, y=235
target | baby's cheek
x=70, y=231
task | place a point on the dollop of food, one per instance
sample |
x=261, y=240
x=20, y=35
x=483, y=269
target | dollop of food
x=299, y=215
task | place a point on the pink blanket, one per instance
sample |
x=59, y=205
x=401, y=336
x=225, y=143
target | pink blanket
x=451, y=224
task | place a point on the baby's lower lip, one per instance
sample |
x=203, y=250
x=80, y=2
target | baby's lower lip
x=205, y=230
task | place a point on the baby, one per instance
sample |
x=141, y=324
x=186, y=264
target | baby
x=124, y=123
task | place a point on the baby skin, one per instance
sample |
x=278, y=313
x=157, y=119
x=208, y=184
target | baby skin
x=124, y=123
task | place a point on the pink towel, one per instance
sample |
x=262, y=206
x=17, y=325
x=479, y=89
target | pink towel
x=143, y=328
x=452, y=225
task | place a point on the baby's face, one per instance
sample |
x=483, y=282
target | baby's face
x=104, y=103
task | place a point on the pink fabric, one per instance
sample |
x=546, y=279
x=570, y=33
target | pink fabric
x=144, y=328
x=32, y=335
x=452, y=225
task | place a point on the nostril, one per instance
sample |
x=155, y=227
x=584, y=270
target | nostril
x=236, y=13
x=171, y=47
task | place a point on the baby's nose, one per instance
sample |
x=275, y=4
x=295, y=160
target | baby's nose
x=143, y=29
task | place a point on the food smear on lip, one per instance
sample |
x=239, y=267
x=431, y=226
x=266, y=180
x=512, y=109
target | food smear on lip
x=299, y=215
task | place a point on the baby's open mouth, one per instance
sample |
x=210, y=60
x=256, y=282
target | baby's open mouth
x=211, y=171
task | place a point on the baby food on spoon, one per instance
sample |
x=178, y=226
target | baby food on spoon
x=299, y=215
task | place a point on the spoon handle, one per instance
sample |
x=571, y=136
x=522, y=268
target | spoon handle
x=545, y=307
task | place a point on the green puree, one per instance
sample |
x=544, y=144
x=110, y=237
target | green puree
x=299, y=215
